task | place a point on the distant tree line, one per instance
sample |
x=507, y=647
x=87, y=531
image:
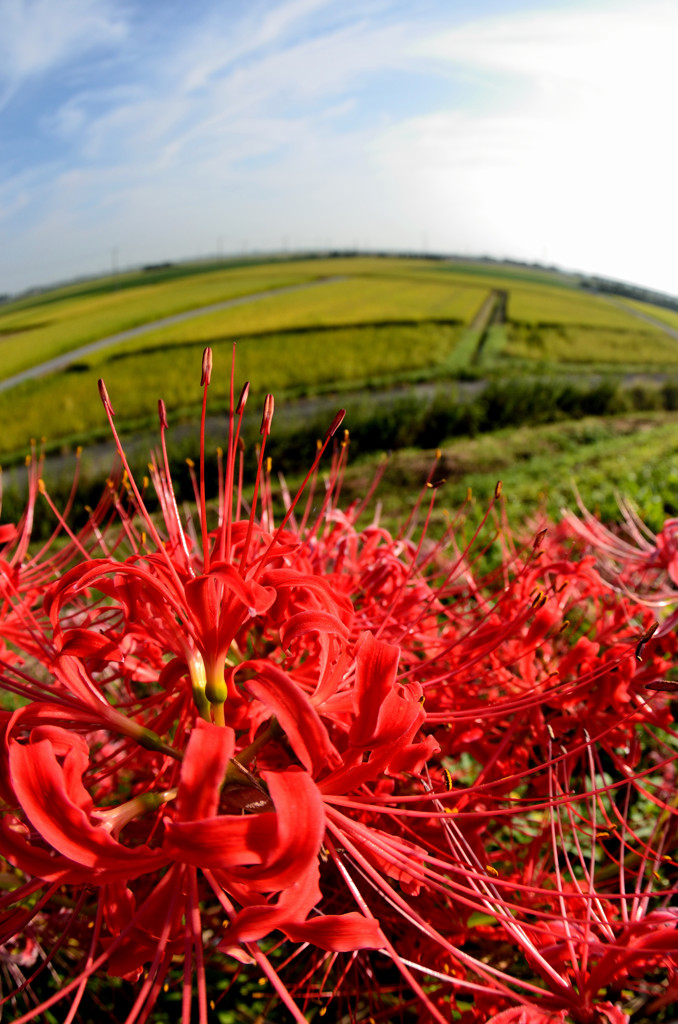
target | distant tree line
x=629, y=291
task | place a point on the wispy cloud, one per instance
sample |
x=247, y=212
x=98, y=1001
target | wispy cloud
x=562, y=149
x=39, y=35
x=532, y=134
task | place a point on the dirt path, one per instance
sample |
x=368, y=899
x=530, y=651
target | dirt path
x=62, y=361
x=484, y=315
x=641, y=316
x=491, y=313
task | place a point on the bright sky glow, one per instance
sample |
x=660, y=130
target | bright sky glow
x=136, y=131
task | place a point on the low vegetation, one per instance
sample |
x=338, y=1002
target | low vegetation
x=583, y=345
x=418, y=351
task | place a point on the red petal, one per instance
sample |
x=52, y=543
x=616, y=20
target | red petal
x=385, y=719
x=209, y=749
x=528, y=1015
x=297, y=716
x=85, y=643
x=52, y=798
x=287, y=852
x=334, y=602
x=209, y=604
x=257, y=597
x=376, y=669
x=225, y=842
x=339, y=933
x=7, y=532
x=313, y=621
x=38, y=862
x=301, y=825
x=294, y=904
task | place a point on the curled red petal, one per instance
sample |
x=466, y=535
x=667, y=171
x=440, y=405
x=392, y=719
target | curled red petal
x=301, y=824
x=528, y=1015
x=52, y=799
x=338, y=933
x=225, y=842
x=219, y=603
x=376, y=670
x=386, y=719
x=294, y=904
x=298, y=828
x=203, y=769
x=86, y=643
x=7, y=533
x=321, y=589
x=297, y=716
x=34, y=860
x=309, y=622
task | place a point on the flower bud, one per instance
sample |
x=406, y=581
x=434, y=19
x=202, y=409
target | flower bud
x=206, y=367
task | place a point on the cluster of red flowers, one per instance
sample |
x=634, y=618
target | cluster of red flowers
x=347, y=764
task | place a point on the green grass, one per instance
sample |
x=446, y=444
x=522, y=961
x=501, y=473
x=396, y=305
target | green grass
x=144, y=278
x=667, y=316
x=495, y=344
x=367, y=323
x=355, y=301
x=581, y=344
x=377, y=291
x=31, y=334
x=500, y=275
x=68, y=404
x=633, y=455
x=548, y=306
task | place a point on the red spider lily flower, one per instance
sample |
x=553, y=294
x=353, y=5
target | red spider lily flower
x=346, y=760
x=527, y=1015
x=635, y=560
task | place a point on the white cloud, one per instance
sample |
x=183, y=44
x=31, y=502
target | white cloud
x=541, y=135
x=564, y=151
x=584, y=44
x=39, y=35
x=259, y=107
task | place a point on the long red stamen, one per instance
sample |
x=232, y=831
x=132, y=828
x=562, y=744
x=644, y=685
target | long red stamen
x=205, y=382
x=264, y=432
x=169, y=490
x=334, y=426
x=140, y=502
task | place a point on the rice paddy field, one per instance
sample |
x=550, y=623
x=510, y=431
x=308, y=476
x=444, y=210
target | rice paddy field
x=512, y=371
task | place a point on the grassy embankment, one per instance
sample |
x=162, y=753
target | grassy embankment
x=371, y=326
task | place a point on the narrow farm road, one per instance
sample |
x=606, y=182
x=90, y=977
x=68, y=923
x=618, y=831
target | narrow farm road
x=62, y=361
x=655, y=321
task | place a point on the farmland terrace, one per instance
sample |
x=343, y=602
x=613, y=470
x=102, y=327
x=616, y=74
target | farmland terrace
x=419, y=351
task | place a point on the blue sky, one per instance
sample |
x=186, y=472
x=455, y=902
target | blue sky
x=134, y=131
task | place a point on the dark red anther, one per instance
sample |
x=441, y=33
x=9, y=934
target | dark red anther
x=662, y=685
x=242, y=401
x=645, y=638
x=162, y=413
x=206, y=367
x=536, y=544
x=105, y=399
x=268, y=415
x=336, y=423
